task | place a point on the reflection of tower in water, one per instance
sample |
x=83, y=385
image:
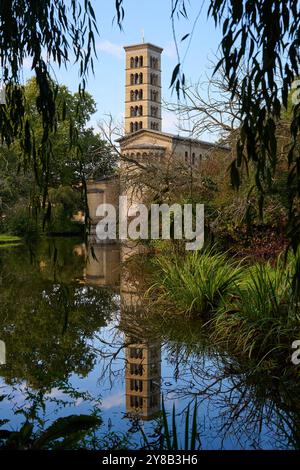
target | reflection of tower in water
x=143, y=375
x=142, y=356
x=103, y=266
x=2, y=353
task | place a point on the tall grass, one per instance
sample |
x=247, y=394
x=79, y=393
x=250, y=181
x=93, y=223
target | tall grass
x=253, y=310
x=169, y=433
x=264, y=315
x=198, y=282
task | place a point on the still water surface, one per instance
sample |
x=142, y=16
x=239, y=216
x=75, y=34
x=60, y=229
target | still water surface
x=79, y=338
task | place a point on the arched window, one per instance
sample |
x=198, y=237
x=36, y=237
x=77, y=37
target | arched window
x=193, y=159
x=136, y=126
x=153, y=62
x=131, y=127
x=131, y=95
x=131, y=111
x=132, y=62
x=153, y=111
x=186, y=156
x=136, y=95
x=141, y=78
x=140, y=125
x=141, y=110
x=136, y=111
x=200, y=157
x=132, y=79
x=153, y=79
x=141, y=61
x=136, y=62
x=141, y=94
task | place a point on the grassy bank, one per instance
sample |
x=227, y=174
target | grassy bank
x=249, y=310
x=9, y=240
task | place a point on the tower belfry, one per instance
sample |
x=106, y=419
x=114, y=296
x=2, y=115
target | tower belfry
x=143, y=88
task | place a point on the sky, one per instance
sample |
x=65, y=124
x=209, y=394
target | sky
x=152, y=17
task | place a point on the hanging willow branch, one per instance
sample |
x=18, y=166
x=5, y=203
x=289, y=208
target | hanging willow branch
x=43, y=33
x=265, y=34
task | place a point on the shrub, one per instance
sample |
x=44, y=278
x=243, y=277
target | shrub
x=20, y=222
x=263, y=316
x=197, y=282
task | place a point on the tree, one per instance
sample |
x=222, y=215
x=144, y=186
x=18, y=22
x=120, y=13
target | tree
x=64, y=31
x=265, y=36
x=69, y=166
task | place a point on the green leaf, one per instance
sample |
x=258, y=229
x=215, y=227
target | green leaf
x=175, y=74
x=185, y=37
x=63, y=427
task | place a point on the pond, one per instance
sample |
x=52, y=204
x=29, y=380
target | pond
x=76, y=337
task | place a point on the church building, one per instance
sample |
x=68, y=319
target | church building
x=144, y=139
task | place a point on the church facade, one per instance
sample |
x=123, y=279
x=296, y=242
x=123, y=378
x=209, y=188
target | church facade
x=144, y=142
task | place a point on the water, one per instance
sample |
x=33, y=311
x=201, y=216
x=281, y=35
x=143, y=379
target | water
x=79, y=338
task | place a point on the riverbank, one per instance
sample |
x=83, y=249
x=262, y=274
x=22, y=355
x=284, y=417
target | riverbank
x=9, y=240
x=249, y=309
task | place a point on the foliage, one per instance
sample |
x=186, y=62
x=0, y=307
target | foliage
x=260, y=58
x=68, y=169
x=264, y=315
x=168, y=435
x=66, y=31
x=197, y=282
x=253, y=309
x=64, y=433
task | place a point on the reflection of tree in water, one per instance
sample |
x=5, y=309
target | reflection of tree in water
x=47, y=317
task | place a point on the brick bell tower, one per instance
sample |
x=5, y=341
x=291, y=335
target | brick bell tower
x=143, y=88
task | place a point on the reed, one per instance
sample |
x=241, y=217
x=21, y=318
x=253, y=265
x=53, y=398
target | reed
x=198, y=282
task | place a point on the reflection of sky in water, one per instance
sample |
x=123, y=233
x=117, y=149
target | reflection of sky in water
x=179, y=382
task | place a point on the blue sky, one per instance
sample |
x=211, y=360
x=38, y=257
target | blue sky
x=152, y=16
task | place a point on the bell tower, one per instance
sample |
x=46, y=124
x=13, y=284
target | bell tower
x=143, y=88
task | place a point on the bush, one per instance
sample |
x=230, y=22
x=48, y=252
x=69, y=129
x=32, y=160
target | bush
x=198, y=282
x=263, y=316
x=20, y=222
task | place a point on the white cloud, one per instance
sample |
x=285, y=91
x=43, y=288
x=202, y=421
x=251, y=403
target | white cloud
x=169, y=122
x=108, y=47
x=170, y=50
x=112, y=401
